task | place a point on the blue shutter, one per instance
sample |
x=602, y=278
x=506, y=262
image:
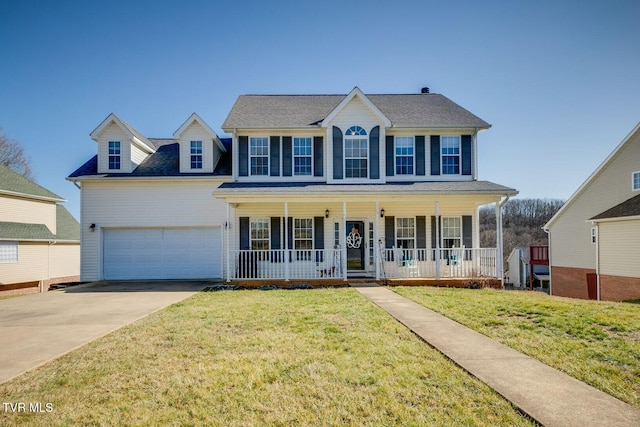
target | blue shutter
x=318, y=236
x=389, y=156
x=287, y=158
x=435, y=154
x=389, y=231
x=337, y=153
x=467, y=239
x=318, y=156
x=274, y=155
x=467, y=154
x=243, y=156
x=420, y=156
x=374, y=142
x=244, y=233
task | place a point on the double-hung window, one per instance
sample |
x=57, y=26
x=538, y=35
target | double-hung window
x=303, y=237
x=114, y=154
x=259, y=234
x=356, y=152
x=636, y=181
x=259, y=155
x=8, y=252
x=302, y=152
x=451, y=232
x=405, y=233
x=404, y=155
x=450, y=155
x=196, y=154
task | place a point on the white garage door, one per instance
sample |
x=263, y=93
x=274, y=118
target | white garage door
x=162, y=253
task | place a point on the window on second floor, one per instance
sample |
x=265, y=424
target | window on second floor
x=259, y=155
x=356, y=153
x=302, y=155
x=636, y=181
x=114, y=155
x=196, y=154
x=404, y=155
x=450, y=146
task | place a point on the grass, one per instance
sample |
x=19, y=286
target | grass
x=321, y=357
x=598, y=343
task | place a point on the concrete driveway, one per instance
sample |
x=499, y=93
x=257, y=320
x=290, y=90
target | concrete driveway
x=37, y=328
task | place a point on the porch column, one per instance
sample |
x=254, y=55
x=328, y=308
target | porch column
x=437, y=231
x=343, y=241
x=286, y=242
x=227, y=226
x=499, y=273
x=376, y=236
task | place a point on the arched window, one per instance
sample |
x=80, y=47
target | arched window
x=356, y=153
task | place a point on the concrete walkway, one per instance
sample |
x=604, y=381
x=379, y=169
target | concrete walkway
x=547, y=395
x=37, y=328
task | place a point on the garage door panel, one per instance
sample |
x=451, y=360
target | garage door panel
x=162, y=253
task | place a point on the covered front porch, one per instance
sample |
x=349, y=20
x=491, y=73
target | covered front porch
x=272, y=235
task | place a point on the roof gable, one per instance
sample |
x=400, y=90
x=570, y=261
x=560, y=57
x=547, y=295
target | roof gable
x=131, y=133
x=356, y=92
x=627, y=140
x=196, y=118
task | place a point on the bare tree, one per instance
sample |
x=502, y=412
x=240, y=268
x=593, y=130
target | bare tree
x=12, y=156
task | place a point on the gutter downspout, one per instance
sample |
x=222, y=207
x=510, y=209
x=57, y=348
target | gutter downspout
x=597, y=260
x=499, y=237
x=546, y=230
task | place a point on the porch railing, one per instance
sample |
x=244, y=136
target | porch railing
x=287, y=264
x=452, y=263
x=455, y=263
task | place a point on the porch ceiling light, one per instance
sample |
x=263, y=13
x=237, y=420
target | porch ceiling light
x=381, y=213
x=326, y=213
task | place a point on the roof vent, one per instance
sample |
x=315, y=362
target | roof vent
x=424, y=90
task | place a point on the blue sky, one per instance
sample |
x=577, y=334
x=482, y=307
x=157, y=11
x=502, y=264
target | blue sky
x=558, y=80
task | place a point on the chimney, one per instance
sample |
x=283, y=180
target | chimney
x=425, y=90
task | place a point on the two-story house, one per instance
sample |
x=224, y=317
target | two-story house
x=319, y=187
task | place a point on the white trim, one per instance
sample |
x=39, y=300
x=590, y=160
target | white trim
x=293, y=156
x=591, y=177
x=356, y=92
x=459, y=156
x=346, y=178
x=249, y=156
x=413, y=156
x=251, y=220
x=196, y=118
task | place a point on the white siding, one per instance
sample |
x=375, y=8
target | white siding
x=137, y=156
x=32, y=264
x=64, y=260
x=620, y=248
x=114, y=133
x=210, y=152
x=571, y=233
x=109, y=204
x=355, y=113
x=27, y=211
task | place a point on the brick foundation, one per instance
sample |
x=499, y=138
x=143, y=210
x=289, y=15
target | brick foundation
x=619, y=288
x=570, y=282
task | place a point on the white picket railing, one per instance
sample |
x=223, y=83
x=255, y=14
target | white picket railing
x=456, y=263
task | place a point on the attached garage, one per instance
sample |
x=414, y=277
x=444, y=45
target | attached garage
x=162, y=253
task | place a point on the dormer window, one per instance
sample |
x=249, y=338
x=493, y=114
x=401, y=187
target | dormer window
x=356, y=153
x=114, y=155
x=196, y=154
x=259, y=155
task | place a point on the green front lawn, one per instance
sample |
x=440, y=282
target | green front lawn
x=595, y=342
x=243, y=358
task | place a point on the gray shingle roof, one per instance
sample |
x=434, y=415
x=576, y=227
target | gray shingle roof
x=300, y=111
x=423, y=188
x=164, y=162
x=13, y=182
x=627, y=208
x=67, y=229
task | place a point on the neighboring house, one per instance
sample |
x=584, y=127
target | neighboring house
x=529, y=267
x=39, y=239
x=319, y=187
x=595, y=236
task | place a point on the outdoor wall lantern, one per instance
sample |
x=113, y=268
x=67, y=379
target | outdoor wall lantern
x=381, y=213
x=326, y=213
x=92, y=227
